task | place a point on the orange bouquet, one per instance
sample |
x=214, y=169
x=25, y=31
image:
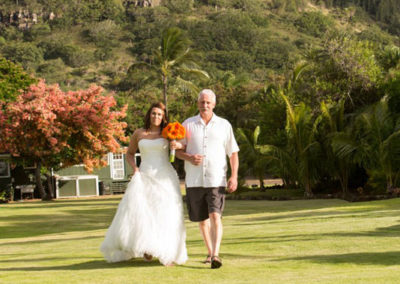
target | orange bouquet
x=173, y=131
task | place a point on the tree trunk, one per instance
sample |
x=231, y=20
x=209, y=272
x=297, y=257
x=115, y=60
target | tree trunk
x=389, y=184
x=50, y=187
x=261, y=182
x=39, y=184
x=308, y=192
x=165, y=86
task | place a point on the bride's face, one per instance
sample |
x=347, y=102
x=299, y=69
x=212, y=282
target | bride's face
x=156, y=116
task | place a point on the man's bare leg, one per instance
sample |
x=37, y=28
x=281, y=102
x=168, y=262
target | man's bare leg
x=205, y=229
x=216, y=236
x=216, y=232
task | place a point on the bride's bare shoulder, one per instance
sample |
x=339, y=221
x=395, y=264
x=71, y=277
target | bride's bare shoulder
x=139, y=132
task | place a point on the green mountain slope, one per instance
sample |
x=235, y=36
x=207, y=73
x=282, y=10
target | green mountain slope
x=75, y=43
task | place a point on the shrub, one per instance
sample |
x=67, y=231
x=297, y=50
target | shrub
x=313, y=23
x=71, y=54
x=274, y=53
x=6, y=193
x=179, y=6
x=104, y=53
x=52, y=70
x=75, y=56
x=375, y=34
x=37, y=31
x=231, y=60
x=236, y=30
x=11, y=33
x=104, y=33
x=22, y=52
x=12, y=79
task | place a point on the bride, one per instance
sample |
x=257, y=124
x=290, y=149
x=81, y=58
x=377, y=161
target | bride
x=149, y=220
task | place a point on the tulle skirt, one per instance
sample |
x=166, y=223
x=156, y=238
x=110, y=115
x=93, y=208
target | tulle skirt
x=149, y=219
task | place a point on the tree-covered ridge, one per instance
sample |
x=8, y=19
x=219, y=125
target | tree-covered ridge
x=87, y=41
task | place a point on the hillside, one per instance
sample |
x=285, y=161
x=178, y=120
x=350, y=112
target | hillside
x=257, y=38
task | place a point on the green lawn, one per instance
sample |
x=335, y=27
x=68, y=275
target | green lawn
x=302, y=241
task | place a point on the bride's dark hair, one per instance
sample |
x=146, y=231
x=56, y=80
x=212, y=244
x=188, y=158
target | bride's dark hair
x=164, y=121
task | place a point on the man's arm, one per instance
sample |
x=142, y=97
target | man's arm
x=194, y=159
x=232, y=182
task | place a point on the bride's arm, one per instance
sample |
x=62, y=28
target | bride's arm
x=176, y=145
x=130, y=154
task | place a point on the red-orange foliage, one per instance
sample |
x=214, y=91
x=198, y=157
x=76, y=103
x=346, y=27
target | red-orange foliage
x=48, y=125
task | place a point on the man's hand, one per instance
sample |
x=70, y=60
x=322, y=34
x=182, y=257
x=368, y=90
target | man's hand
x=196, y=159
x=232, y=184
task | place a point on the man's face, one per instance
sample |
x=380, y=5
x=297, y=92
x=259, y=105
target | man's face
x=205, y=104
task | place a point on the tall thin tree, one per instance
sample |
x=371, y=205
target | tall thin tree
x=175, y=59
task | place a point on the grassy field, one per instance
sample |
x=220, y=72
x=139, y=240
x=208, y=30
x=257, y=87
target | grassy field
x=303, y=241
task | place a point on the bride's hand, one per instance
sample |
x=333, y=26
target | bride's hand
x=136, y=170
x=175, y=145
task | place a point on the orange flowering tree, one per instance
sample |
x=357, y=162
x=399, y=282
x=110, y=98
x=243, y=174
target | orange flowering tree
x=57, y=129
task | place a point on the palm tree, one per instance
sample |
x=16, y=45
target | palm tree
x=375, y=144
x=174, y=59
x=299, y=159
x=250, y=152
x=283, y=163
x=302, y=143
x=331, y=123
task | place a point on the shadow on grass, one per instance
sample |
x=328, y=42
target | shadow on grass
x=48, y=240
x=89, y=265
x=199, y=258
x=267, y=239
x=20, y=226
x=391, y=231
x=33, y=260
x=63, y=203
x=311, y=214
x=244, y=207
x=366, y=258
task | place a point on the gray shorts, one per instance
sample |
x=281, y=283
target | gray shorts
x=202, y=201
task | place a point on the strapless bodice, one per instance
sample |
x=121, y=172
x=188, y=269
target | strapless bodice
x=153, y=154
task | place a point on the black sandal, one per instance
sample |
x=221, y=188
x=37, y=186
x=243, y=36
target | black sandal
x=216, y=262
x=147, y=257
x=208, y=259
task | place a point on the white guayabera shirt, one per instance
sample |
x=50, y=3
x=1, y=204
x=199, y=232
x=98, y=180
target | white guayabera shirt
x=214, y=141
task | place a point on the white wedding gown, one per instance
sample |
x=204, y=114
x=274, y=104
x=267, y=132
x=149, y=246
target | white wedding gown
x=149, y=218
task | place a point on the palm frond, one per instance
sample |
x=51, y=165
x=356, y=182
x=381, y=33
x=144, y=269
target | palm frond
x=187, y=86
x=198, y=73
x=256, y=133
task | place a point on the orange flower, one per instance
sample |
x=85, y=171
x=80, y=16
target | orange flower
x=174, y=131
